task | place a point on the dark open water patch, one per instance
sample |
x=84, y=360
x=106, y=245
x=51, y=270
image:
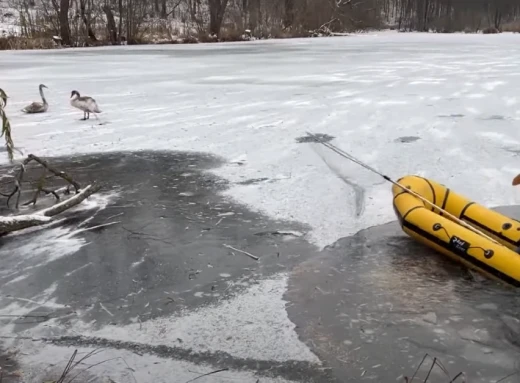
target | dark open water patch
x=374, y=304
x=166, y=251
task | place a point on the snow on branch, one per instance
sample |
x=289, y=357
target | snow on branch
x=71, y=202
x=14, y=223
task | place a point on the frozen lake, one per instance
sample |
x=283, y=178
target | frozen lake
x=458, y=93
x=442, y=106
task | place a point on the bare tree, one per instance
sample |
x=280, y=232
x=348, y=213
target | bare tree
x=84, y=22
x=217, y=9
x=64, y=22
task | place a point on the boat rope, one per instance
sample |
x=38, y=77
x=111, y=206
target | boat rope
x=348, y=156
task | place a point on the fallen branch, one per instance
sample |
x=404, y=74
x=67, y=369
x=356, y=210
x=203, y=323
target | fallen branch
x=10, y=224
x=15, y=223
x=19, y=222
x=72, y=201
x=18, y=180
x=243, y=252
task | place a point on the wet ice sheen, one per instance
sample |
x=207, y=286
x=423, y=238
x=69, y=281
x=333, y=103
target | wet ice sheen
x=396, y=300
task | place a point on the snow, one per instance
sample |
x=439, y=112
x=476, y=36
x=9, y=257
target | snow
x=253, y=324
x=11, y=220
x=125, y=366
x=251, y=100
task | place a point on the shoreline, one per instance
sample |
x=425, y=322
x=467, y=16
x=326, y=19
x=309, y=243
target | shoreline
x=192, y=40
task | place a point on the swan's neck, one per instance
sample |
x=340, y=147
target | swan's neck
x=43, y=97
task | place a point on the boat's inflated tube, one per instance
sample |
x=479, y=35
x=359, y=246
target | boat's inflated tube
x=427, y=224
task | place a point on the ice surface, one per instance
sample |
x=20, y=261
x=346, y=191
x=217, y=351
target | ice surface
x=124, y=366
x=252, y=325
x=251, y=100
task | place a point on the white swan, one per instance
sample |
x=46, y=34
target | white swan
x=86, y=104
x=37, y=107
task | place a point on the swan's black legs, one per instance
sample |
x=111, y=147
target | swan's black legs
x=86, y=116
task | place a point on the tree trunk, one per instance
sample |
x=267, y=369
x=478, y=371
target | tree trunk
x=419, y=25
x=120, y=28
x=164, y=13
x=129, y=22
x=288, y=18
x=64, y=22
x=83, y=14
x=111, y=24
x=253, y=13
x=498, y=17
x=217, y=9
x=245, y=12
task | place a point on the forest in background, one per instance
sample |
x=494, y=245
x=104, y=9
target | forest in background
x=47, y=23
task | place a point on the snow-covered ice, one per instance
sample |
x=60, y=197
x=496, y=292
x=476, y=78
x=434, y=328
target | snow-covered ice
x=125, y=366
x=251, y=100
x=252, y=325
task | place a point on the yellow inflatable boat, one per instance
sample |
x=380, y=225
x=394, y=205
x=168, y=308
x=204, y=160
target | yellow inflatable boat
x=494, y=253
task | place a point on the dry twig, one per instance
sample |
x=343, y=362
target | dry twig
x=14, y=223
x=508, y=376
x=437, y=363
x=209, y=373
x=57, y=173
x=242, y=251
